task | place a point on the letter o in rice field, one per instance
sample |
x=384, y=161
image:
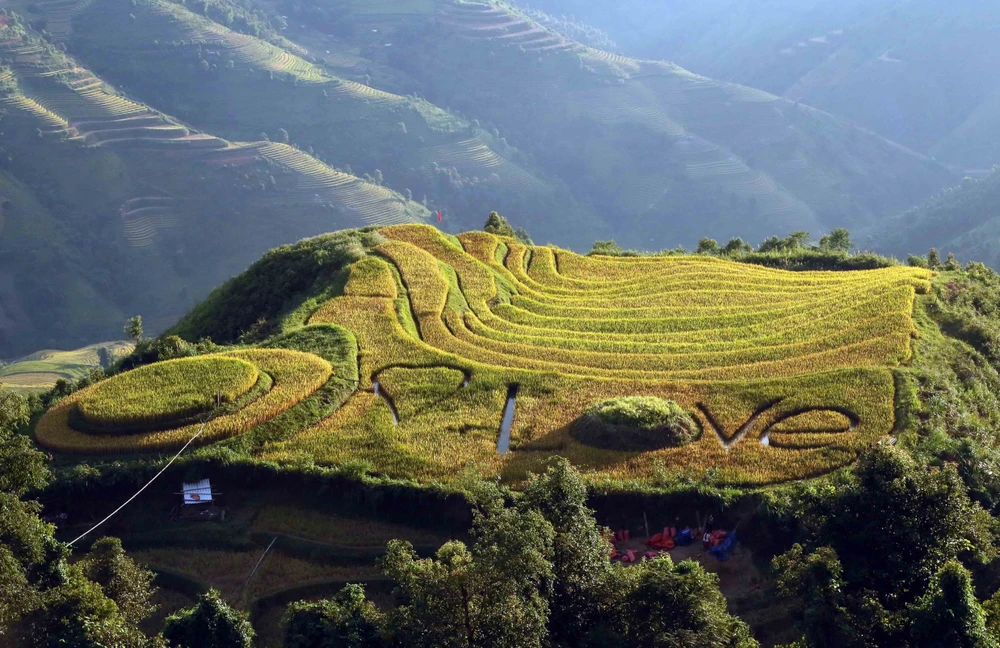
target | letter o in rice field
x=260, y=385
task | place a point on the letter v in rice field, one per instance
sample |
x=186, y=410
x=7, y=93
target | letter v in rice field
x=787, y=375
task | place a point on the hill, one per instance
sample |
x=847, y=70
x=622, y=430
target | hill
x=107, y=202
x=483, y=351
x=645, y=142
x=556, y=133
x=39, y=371
x=915, y=71
x=962, y=220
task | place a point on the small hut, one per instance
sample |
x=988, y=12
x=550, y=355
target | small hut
x=200, y=502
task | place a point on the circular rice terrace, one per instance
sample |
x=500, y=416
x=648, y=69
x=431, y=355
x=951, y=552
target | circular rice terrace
x=161, y=406
x=786, y=375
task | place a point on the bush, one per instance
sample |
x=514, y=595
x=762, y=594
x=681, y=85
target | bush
x=636, y=423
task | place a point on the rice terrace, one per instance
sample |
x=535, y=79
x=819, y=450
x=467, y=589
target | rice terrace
x=479, y=353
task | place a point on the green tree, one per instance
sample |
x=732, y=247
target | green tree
x=737, y=246
x=494, y=596
x=679, y=605
x=497, y=224
x=281, y=136
x=22, y=467
x=211, y=623
x=948, y=614
x=606, y=248
x=78, y=614
x=814, y=584
x=133, y=328
x=123, y=581
x=708, y=246
x=580, y=564
x=348, y=620
x=951, y=263
x=838, y=239
x=933, y=260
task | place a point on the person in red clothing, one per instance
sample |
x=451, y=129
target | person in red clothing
x=706, y=539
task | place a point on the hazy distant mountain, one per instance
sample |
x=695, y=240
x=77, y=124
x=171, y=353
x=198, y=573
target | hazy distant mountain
x=920, y=72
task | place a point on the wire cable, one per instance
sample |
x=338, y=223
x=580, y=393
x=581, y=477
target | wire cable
x=129, y=500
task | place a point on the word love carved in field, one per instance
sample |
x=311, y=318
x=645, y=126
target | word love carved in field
x=807, y=421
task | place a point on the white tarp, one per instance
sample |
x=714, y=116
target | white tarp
x=198, y=492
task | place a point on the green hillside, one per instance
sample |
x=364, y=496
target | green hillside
x=240, y=86
x=39, y=371
x=963, y=220
x=107, y=202
x=646, y=141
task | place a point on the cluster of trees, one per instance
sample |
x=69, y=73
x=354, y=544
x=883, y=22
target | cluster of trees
x=537, y=574
x=497, y=224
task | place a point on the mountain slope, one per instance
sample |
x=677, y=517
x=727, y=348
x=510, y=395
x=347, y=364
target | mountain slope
x=649, y=140
x=107, y=203
x=917, y=71
x=964, y=220
x=239, y=86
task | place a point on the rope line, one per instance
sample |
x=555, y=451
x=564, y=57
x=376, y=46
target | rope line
x=129, y=500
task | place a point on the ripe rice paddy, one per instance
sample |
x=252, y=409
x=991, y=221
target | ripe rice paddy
x=292, y=375
x=787, y=375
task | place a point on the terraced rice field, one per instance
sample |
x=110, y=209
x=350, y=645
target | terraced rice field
x=480, y=355
x=484, y=21
x=40, y=371
x=475, y=157
x=748, y=351
x=318, y=183
x=282, y=379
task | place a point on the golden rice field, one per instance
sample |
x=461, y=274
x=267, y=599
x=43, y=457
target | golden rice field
x=787, y=374
x=291, y=377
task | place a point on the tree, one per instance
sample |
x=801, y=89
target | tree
x=494, y=596
x=794, y=241
x=679, y=605
x=22, y=467
x=133, y=328
x=814, y=583
x=211, y=623
x=737, y=246
x=281, y=136
x=78, y=614
x=707, y=246
x=497, y=224
x=580, y=564
x=606, y=248
x=123, y=581
x=838, y=239
x=347, y=620
x=933, y=260
x=948, y=614
x=951, y=263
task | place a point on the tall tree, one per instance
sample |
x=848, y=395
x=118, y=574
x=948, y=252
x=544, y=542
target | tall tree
x=837, y=239
x=948, y=614
x=210, y=623
x=580, y=564
x=492, y=596
x=679, y=605
x=814, y=584
x=347, y=620
x=123, y=581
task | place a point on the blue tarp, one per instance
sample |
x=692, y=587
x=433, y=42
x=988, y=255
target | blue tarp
x=724, y=548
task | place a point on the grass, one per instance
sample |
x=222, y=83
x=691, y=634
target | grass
x=339, y=530
x=166, y=392
x=754, y=354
